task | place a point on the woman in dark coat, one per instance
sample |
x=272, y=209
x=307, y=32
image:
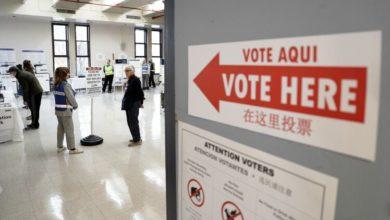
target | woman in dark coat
x=27, y=66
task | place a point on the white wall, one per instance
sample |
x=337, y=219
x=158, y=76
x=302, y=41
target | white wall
x=111, y=40
x=21, y=34
x=28, y=33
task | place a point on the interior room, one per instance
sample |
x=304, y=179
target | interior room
x=108, y=180
x=194, y=110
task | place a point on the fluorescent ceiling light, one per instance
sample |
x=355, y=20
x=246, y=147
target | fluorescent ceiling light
x=112, y=2
x=157, y=5
x=140, y=25
x=57, y=18
x=155, y=26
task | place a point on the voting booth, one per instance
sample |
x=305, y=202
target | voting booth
x=119, y=72
x=43, y=76
x=11, y=124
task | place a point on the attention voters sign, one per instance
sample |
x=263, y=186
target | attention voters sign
x=318, y=90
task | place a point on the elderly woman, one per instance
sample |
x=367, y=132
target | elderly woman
x=131, y=102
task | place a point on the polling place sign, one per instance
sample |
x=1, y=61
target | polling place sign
x=224, y=180
x=94, y=80
x=318, y=90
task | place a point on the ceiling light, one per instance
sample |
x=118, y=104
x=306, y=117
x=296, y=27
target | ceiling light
x=58, y=18
x=157, y=5
x=112, y=2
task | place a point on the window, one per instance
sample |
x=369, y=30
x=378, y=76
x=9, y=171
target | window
x=83, y=56
x=60, y=45
x=140, y=42
x=157, y=49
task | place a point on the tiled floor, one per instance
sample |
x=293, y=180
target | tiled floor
x=109, y=181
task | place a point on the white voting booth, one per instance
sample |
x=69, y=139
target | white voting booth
x=137, y=64
x=43, y=76
x=7, y=59
x=119, y=70
x=11, y=124
x=38, y=59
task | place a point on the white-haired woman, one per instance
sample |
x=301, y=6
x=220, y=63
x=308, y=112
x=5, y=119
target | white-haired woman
x=131, y=102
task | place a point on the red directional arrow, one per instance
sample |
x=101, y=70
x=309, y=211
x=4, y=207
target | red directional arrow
x=210, y=82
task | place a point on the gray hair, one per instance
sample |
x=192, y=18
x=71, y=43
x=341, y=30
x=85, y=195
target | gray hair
x=131, y=68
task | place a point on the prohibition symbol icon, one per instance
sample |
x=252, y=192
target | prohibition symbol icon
x=196, y=192
x=231, y=211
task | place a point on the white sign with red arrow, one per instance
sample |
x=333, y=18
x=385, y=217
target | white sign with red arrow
x=318, y=90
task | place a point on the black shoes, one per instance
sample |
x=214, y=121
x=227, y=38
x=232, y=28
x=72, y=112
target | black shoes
x=31, y=127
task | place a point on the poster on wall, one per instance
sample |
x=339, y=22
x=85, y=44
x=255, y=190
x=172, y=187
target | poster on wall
x=137, y=64
x=223, y=180
x=35, y=56
x=318, y=90
x=7, y=56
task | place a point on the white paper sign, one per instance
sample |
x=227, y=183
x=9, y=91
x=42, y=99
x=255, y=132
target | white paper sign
x=6, y=119
x=94, y=80
x=318, y=90
x=223, y=180
x=35, y=56
x=7, y=56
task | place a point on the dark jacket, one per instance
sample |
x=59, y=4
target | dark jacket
x=134, y=93
x=152, y=69
x=29, y=84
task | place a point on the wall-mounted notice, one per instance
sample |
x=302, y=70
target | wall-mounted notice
x=318, y=90
x=94, y=80
x=137, y=64
x=223, y=180
x=7, y=56
x=35, y=56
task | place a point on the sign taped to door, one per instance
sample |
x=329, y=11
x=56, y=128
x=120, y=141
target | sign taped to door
x=318, y=90
x=222, y=179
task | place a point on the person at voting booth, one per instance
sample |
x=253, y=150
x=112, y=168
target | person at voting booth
x=32, y=93
x=145, y=75
x=132, y=101
x=152, y=72
x=108, y=70
x=27, y=66
x=65, y=103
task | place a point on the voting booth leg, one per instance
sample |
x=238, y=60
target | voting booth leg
x=91, y=140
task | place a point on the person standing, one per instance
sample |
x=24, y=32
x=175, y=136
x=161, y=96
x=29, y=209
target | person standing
x=32, y=93
x=145, y=75
x=27, y=66
x=108, y=70
x=152, y=72
x=65, y=101
x=132, y=101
